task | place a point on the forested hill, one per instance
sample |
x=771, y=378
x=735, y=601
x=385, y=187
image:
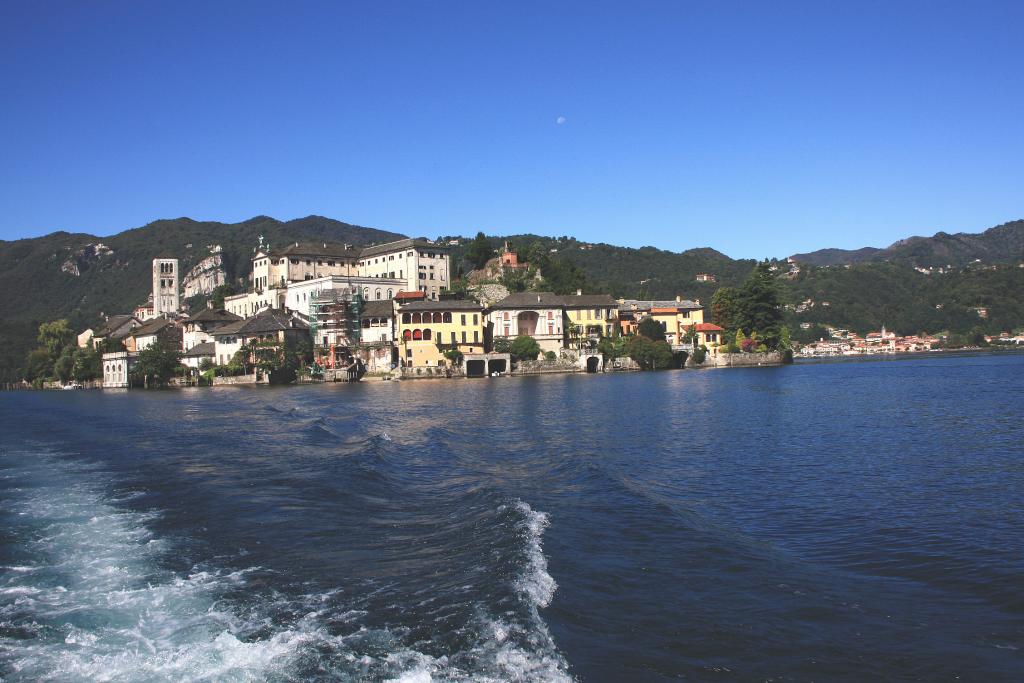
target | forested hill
x=1001, y=244
x=66, y=275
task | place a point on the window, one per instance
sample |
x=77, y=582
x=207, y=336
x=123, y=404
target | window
x=447, y=317
x=379, y=294
x=463, y=336
x=330, y=263
x=407, y=335
x=551, y=328
x=476, y=336
x=438, y=318
x=390, y=294
x=453, y=337
x=505, y=316
x=423, y=276
x=431, y=276
x=426, y=335
x=551, y=315
x=463, y=319
x=474, y=319
x=416, y=318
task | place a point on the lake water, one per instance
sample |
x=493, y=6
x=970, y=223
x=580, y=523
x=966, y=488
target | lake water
x=827, y=521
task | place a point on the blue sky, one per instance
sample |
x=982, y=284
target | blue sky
x=754, y=128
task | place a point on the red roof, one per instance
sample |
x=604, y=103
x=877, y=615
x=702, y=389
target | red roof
x=708, y=327
x=410, y=296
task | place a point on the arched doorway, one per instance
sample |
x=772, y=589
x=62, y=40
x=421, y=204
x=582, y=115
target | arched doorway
x=527, y=323
x=593, y=363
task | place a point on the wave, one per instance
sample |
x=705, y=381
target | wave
x=85, y=596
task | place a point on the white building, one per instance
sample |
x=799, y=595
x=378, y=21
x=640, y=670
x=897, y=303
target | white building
x=422, y=266
x=165, y=286
x=300, y=294
x=116, y=369
x=251, y=303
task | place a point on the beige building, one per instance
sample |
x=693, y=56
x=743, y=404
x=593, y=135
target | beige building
x=421, y=265
x=426, y=329
x=534, y=314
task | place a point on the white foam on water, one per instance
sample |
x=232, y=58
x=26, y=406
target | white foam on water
x=98, y=605
x=91, y=602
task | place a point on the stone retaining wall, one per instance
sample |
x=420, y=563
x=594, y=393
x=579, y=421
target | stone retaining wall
x=737, y=360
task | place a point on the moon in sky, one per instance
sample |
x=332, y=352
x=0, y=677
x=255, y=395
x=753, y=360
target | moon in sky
x=560, y=120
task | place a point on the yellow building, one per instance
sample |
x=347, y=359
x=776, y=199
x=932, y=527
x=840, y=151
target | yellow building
x=426, y=329
x=589, y=316
x=675, y=317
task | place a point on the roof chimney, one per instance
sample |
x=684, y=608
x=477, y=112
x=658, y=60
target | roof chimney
x=579, y=292
x=679, y=299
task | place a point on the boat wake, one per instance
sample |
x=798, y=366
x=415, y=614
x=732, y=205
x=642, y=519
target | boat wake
x=85, y=595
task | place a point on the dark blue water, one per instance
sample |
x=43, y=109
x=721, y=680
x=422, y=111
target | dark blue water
x=844, y=521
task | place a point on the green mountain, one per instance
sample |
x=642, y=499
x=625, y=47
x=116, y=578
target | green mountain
x=1001, y=244
x=67, y=275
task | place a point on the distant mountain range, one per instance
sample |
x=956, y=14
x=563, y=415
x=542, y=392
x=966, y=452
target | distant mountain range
x=1001, y=244
x=79, y=276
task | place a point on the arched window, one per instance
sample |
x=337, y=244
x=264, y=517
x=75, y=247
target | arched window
x=366, y=292
x=391, y=294
x=407, y=335
x=366, y=322
x=426, y=335
x=416, y=318
x=406, y=318
x=417, y=335
x=378, y=293
x=438, y=318
x=447, y=317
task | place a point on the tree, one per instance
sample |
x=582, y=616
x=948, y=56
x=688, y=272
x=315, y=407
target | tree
x=725, y=308
x=38, y=365
x=455, y=356
x=64, y=366
x=651, y=328
x=55, y=336
x=220, y=292
x=760, y=305
x=158, y=363
x=502, y=345
x=524, y=348
x=649, y=355
x=480, y=251
x=88, y=365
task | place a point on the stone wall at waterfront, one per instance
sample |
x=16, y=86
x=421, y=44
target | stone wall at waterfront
x=738, y=360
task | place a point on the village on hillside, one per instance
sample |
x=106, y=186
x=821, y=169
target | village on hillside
x=337, y=312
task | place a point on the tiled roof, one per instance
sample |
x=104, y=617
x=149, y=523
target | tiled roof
x=154, y=326
x=269, y=320
x=378, y=309
x=642, y=305
x=401, y=245
x=318, y=250
x=411, y=295
x=213, y=315
x=200, y=350
x=588, y=300
x=549, y=299
x=707, y=327
x=113, y=324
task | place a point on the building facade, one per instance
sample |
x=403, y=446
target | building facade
x=422, y=266
x=426, y=329
x=165, y=286
x=533, y=314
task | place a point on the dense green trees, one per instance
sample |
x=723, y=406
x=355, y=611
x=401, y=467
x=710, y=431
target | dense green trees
x=524, y=348
x=58, y=357
x=651, y=329
x=480, y=251
x=649, y=354
x=157, y=364
x=755, y=308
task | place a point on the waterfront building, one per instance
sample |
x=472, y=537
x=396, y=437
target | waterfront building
x=116, y=327
x=588, y=317
x=197, y=329
x=675, y=317
x=426, y=329
x=422, y=265
x=117, y=367
x=300, y=295
x=165, y=286
x=198, y=353
x=264, y=334
x=159, y=329
x=534, y=314
x=297, y=262
x=708, y=334
x=376, y=346
x=85, y=338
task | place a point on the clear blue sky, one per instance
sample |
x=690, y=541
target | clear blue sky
x=755, y=128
